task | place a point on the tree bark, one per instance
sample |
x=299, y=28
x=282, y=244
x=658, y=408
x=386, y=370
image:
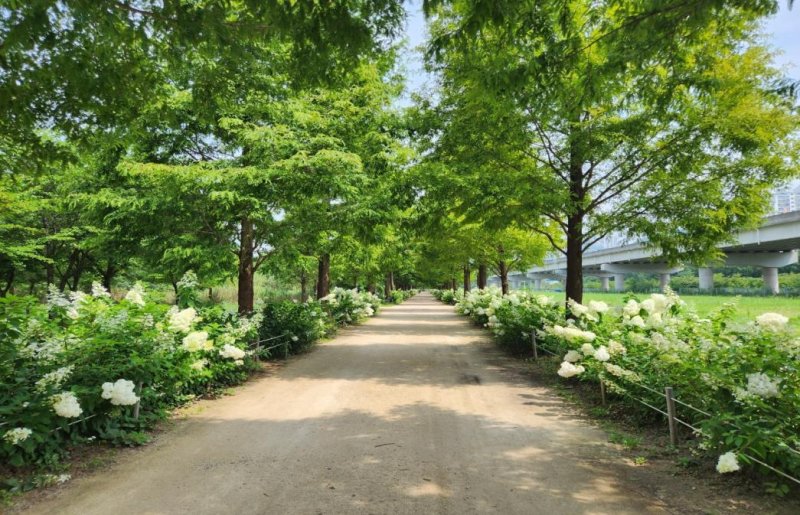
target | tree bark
x=388, y=286
x=574, y=286
x=502, y=267
x=324, y=276
x=467, y=278
x=9, y=282
x=303, y=286
x=577, y=194
x=482, y=276
x=246, y=293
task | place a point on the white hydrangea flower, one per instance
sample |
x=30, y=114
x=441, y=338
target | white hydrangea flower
x=197, y=341
x=621, y=372
x=17, y=435
x=73, y=313
x=181, y=321
x=631, y=308
x=66, y=405
x=200, y=364
x=598, y=306
x=573, y=356
x=569, y=370
x=232, y=352
x=99, y=291
x=53, y=379
x=56, y=299
x=587, y=349
x=636, y=321
x=572, y=334
x=136, y=295
x=759, y=385
x=772, y=321
x=238, y=362
x=601, y=354
x=614, y=347
x=728, y=462
x=120, y=393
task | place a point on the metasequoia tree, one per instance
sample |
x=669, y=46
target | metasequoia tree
x=603, y=119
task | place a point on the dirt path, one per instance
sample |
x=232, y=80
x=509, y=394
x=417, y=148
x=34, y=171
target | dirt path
x=409, y=413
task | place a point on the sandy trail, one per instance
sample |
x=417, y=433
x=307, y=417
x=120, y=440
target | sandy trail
x=408, y=413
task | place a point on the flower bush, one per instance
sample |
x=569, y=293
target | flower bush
x=299, y=325
x=512, y=318
x=347, y=307
x=399, y=296
x=72, y=369
x=743, y=379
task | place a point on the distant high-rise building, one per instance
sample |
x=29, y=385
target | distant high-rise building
x=786, y=199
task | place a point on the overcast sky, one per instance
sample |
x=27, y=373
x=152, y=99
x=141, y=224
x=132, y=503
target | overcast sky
x=782, y=30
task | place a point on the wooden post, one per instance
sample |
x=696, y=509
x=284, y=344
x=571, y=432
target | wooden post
x=286, y=350
x=603, y=393
x=138, y=403
x=534, y=345
x=673, y=428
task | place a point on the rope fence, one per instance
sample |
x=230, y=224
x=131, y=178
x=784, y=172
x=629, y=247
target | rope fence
x=671, y=411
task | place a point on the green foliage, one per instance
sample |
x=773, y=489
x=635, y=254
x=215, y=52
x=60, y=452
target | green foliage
x=81, y=346
x=297, y=325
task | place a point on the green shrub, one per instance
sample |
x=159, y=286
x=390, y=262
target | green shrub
x=300, y=325
x=75, y=368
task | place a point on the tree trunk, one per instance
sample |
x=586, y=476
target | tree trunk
x=482, y=276
x=303, y=287
x=108, y=276
x=467, y=278
x=9, y=282
x=246, y=293
x=324, y=276
x=372, y=287
x=388, y=286
x=577, y=194
x=453, y=283
x=503, y=269
x=574, y=286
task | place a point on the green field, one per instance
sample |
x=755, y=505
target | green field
x=747, y=307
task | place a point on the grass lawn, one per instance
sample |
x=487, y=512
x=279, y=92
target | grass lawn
x=747, y=307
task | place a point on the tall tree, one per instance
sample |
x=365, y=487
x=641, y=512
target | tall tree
x=602, y=119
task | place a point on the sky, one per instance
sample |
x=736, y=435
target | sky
x=782, y=32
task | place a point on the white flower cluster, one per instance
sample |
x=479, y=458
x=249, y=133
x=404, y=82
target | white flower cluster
x=181, y=321
x=56, y=299
x=136, y=295
x=197, y=341
x=200, y=364
x=568, y=370
x=17, y=435
x=53, y=379
x=66, y=405
x=232, y=352
x=758, y=385
x=571, y=333
x=728, y=462
x=622, y=373
x=120, y=393
x=591, y=312
x=772, y=322
x=99, y=291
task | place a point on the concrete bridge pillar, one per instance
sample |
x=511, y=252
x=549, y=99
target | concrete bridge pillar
x=537, y=284
x=664, y=281
x=770, y=275
x=706, y=276
x=604, y=283
x=619, y=282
